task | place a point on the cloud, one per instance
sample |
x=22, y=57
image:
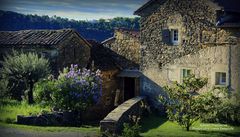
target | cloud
x=75, y=9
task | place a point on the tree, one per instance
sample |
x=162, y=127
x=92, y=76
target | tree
x=183, y=104
x=25, y=67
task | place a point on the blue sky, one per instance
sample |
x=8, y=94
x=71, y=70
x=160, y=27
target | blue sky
x=75, y=9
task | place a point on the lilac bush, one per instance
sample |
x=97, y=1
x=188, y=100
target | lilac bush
x=78, y=88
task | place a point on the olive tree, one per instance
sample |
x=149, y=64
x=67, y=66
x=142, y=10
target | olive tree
x=25, y=67
x=182, y=103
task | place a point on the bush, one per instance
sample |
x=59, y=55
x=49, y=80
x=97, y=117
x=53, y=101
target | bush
x=78, y=89
x=25, y=68
x=133, y=128
x=4, y=90
x=225, y=109
x=44, y=89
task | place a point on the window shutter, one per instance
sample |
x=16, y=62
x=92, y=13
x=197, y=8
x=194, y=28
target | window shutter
x=166, y=36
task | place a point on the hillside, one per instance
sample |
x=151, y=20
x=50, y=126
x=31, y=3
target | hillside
x=98, y=29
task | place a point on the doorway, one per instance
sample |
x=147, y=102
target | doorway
x=129, y=88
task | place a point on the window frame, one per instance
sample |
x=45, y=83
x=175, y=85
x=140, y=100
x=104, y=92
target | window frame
x=182, y=73
x=219, y=79
x=174, y=36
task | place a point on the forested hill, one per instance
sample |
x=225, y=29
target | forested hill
x=97, y=29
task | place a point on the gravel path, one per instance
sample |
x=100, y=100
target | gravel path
x=12, y=132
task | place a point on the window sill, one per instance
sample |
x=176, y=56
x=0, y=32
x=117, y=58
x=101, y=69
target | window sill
x=221, y=86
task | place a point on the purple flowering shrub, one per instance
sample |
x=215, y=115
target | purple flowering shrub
x=78, y=88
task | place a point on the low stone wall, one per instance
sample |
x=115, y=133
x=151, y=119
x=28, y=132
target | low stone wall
x=113, y=122
x=53, y=119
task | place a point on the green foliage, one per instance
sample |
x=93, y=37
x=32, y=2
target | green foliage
x=9, y=109
x=183, y=106
x=98, y=29
x=25, y=67
x=44, y=89
x=4, y=90
x=225, y=108
x=78, y=89
x=133, y=128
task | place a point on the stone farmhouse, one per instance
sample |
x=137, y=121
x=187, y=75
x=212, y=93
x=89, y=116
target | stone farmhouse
x=62, y=47
x=182, y=37
x=176, y=38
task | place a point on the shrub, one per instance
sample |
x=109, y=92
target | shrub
x=44, y=89
x=25, y=67
x=4, y=90
x=78, y=89
x=225, y=109
x=182, y=104
x=132, y=129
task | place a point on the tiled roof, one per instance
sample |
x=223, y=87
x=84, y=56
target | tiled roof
x=101, y=56
x=228, y=5
x=106, y=59
x=146, y=5
x=33, y=37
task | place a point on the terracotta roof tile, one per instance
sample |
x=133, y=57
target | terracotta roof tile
x=33, y=37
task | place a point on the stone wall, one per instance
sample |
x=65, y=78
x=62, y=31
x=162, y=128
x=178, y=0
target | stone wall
x=195, y=21
x=106, y=105
x=113, y=122
x=202, y=47
x=73, y=50
x=127, y=45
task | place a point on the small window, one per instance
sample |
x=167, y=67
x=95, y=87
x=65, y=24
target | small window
x=174, y=36
x=185, y=73
x=221, y=78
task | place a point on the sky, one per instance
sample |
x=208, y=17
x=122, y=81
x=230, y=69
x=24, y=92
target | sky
x=74, y=9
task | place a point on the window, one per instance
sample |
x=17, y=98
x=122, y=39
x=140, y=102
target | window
x=221, y=78
x=185, y=73
x=174, y=36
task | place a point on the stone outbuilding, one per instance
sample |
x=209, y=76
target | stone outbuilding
x=124, y=48
x=62, y=47
x=182, y=37
x=118, y=82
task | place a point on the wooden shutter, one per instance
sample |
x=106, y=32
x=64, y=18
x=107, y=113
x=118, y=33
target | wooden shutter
x=166, y=36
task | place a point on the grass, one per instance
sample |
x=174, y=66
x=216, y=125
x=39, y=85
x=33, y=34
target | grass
x=83, y=129
x=154, y=126
x=9, y=109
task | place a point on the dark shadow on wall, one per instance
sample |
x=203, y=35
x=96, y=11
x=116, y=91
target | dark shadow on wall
x=105, y=58
x=152, y=91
